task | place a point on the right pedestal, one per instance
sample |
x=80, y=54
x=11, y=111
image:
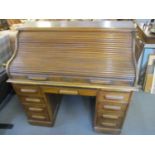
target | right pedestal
x=110, y=111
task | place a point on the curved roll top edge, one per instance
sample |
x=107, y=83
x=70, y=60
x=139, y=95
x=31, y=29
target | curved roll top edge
x=15, y=55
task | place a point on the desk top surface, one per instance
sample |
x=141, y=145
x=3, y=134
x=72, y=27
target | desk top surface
x=46, y=25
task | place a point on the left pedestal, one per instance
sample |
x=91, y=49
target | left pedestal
x=40, y=108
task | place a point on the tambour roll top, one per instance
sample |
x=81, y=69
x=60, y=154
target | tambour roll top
x=90, y=52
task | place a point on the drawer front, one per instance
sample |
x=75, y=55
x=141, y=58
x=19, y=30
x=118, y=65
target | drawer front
x=27, y=90
x=37, y=113
x=110, y=114
x=36, y=109
x=38, y=117
x=109, y=123
x=119, y=107
x=69, y=91
x=34, y=101
x=113, y=97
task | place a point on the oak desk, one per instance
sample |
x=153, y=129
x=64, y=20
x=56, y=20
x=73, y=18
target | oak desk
x=76, y=58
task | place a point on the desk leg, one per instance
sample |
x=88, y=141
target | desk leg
x=53, y=102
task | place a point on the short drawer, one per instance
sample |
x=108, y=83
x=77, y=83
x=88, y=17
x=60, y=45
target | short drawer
x=111, y=106
x=40, y=116
x=35, y=109
x=36, y=101
x=27, y=90
x=69, y=91
x=113, y=97
x=108, y=130
x=72, y=91
x=110, y=123
x=110, y=115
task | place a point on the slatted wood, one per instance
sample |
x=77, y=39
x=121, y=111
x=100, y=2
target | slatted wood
x=72, y=52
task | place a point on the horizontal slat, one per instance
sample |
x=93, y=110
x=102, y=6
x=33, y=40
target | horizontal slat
x=46, y=36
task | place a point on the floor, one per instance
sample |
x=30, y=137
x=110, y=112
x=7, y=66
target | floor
x=75, y=117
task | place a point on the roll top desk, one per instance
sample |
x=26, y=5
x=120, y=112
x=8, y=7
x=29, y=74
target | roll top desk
x=76, y=58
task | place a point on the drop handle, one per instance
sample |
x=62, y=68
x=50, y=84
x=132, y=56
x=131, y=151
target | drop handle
x=65, y=91
x=35, y=109
x=24, y=90
x=111, y=107
x=114, y=97
x=110, y=116
x=108, y=124
x=32, y=99
x=38, y=117
x=38, y=78
x=101, y=81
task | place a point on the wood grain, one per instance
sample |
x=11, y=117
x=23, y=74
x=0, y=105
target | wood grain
x=87, y=54
x=76, y=58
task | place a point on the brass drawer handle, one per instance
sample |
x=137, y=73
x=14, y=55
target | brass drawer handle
x=72, y=92
x=112, y=107
x=35, y=109
x=109, y=124
x=37, y=78
x=28, y=90
x=110, y=116
x=38, y=117
x=101, y=81
x=32, y=99
x=114, y=97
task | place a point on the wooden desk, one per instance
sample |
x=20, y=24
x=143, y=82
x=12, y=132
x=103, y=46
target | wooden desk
x=77, y=58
